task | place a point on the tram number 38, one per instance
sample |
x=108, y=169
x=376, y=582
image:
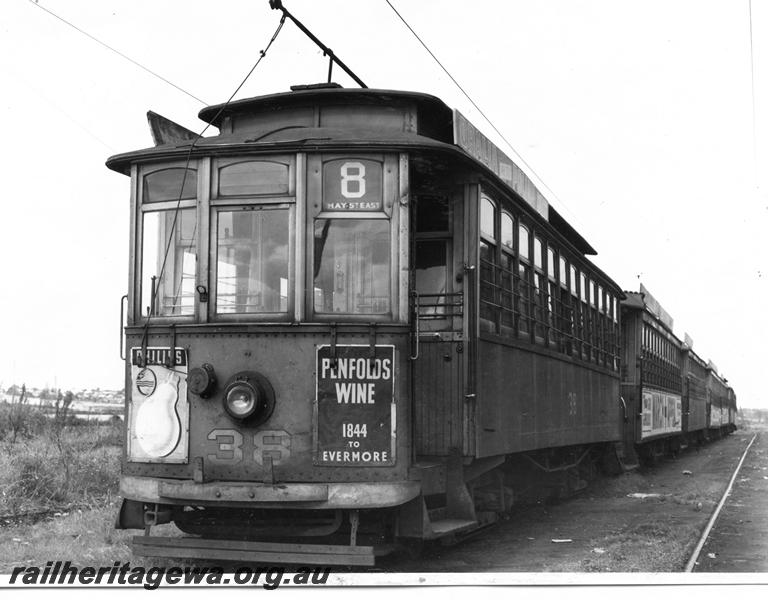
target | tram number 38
x=229, y=446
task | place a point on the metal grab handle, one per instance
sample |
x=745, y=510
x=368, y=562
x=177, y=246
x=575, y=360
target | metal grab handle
x=123, y=300
x=416, y=324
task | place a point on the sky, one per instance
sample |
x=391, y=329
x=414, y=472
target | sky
x=635, y=119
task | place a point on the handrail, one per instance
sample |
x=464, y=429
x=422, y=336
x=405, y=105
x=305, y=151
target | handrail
x=415, y=323
x=123, y=300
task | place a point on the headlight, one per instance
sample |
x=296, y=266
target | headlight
x=241, y=400
x=249, y=397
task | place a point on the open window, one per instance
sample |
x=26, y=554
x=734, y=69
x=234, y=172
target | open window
x=432, y=263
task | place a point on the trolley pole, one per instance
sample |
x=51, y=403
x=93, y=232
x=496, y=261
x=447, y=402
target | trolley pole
x=278, y=5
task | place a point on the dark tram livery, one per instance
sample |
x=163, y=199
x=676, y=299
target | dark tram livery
x=677, y=397
x=354, y=323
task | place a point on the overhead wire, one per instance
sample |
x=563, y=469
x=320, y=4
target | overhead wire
x=479, y=110
x=121, y=54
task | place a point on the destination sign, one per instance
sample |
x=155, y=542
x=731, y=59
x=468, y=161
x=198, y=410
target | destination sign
x=352, y=185
x=355, y=403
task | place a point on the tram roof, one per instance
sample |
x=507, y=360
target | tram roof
x=322, y=94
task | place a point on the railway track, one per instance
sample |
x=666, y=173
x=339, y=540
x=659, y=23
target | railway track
x=692, y=561
x=735, y=539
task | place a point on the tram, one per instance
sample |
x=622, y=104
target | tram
x=353, y=323
x=677, y=397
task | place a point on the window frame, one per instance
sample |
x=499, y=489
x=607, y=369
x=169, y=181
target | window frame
x=141, y=208
x=450, y=321
x=489, y=322
x=508, y=253
x=571, y=312
x=220, y=163
x=243, y=205
x=215, y=203
x=391, y=210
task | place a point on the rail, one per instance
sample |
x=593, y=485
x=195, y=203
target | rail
x=711, y=523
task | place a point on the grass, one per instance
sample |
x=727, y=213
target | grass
x=72, y=468
x=55, y=466
x=83, y=537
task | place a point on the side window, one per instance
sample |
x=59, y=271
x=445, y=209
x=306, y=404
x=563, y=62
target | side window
x=565, y=312
x=552, y=294
x=168, y=245
x=600, y=325
x=540, y=290
x=576, y=310
x=507, y=272
x=170, y=277
x=593, y=322
x=523, y=292
x=488, y=247
x=585, y=317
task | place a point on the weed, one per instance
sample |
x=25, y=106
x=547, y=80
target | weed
x=64, y=466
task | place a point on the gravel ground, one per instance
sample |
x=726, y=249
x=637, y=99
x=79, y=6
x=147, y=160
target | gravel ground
x=609, y=531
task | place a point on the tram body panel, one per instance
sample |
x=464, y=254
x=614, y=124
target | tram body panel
x=527, y=401
x=232, y=450
x=442, y=422
x=695, y=391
